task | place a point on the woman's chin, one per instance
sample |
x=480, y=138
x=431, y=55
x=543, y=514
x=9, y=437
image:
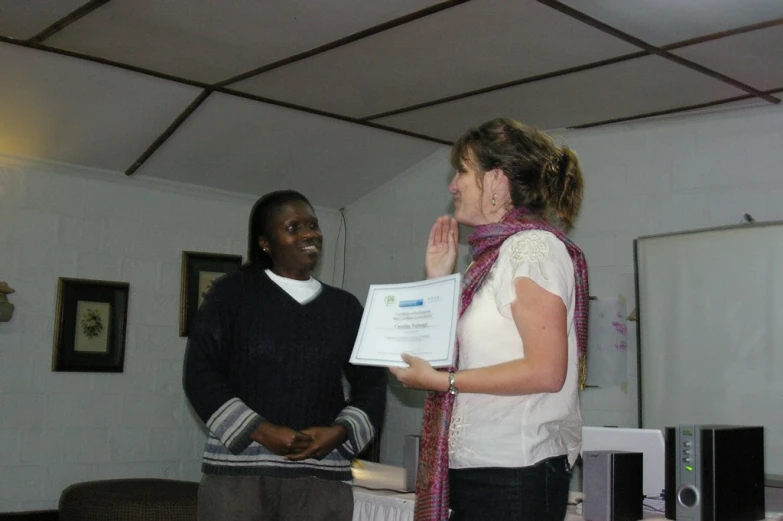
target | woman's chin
x=466, y=220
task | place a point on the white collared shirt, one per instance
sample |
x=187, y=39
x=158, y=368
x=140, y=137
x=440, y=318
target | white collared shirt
x=515, y=431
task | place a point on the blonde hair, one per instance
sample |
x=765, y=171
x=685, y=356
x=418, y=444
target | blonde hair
x=543, y=177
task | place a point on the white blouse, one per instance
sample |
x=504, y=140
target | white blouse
x=515, y=431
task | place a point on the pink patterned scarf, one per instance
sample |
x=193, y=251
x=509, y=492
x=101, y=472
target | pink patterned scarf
x=432, y=485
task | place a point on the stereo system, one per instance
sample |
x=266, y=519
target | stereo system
x=714, y=473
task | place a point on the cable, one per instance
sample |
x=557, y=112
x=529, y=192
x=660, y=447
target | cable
x=345, y=245
x=656, y=504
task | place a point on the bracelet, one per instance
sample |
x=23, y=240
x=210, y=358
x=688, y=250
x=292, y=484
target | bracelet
x=453, y=384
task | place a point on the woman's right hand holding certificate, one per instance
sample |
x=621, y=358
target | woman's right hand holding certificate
x=441, y=256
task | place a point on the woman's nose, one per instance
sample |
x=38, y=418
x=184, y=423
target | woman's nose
x=453, y=184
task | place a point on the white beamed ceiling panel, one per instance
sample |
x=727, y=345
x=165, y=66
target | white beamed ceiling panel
x=661, y=22
x=625, y=89
x=755, y=58
x=471, y=46
x=74, y=111
x=245, y=146
x=212, y=41
x=23, y=19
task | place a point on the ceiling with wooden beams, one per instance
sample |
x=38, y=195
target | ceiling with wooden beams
x=336, y=98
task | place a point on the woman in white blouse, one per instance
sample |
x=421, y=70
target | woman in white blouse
x=502, y=429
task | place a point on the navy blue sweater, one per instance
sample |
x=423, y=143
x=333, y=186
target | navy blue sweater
x=255, y=353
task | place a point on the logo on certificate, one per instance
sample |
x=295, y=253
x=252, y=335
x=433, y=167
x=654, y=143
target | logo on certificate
x=390, y=300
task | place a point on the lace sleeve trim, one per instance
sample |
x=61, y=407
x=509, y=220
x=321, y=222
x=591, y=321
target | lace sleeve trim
x=528, y=248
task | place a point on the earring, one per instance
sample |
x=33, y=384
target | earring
x=494, y=201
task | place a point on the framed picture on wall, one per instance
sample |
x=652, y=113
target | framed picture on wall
x=89, y=328
x=199, y=271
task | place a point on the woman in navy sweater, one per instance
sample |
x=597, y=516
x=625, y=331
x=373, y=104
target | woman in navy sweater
x=264, y=371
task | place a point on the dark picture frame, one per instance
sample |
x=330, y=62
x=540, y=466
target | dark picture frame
x=199, y=271
x=90, y=323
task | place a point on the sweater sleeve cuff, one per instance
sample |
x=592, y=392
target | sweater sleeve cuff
x=360, y=431
x=233, y=423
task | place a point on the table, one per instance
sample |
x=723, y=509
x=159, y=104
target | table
x=382, y=505
x=380, y=495
x=385, y=505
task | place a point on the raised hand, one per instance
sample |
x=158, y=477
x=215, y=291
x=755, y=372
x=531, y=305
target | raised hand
x=441, y=257
x=281, y=440
x=325, y=440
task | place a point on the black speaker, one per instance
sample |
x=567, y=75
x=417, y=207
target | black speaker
x=670, y=476
x=714, y=473
x=612, y=485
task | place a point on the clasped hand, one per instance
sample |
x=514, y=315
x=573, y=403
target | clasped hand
x=312, y=442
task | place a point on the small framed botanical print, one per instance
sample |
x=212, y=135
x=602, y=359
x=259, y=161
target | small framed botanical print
x=90, y=323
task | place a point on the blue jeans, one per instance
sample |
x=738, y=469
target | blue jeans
x=535, y=493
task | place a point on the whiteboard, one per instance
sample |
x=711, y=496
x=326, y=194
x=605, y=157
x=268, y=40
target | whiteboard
x=710, y=307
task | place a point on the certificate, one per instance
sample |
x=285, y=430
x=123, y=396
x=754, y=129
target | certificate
x=418, y=318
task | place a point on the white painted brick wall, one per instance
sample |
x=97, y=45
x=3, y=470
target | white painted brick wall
x=387, y=233
x=641, y=179
x=64, y=221
x=664, y=176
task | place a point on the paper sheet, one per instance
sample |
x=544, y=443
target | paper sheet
x=607, y=343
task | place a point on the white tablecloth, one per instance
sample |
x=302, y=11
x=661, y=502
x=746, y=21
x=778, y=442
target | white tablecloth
x=379, y=493
x=382, y=505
